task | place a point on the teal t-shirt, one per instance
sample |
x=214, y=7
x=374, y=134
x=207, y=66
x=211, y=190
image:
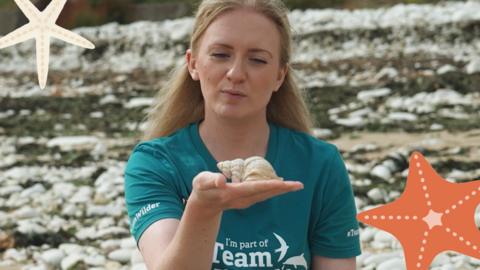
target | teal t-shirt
x=283, y=232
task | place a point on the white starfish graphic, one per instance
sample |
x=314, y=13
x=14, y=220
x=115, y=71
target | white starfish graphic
x=42, y=26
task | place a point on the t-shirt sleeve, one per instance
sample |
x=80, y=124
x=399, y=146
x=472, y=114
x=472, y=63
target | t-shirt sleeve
x=150, y=190
x=336, y=231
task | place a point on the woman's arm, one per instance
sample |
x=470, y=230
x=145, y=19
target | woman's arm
x=181, y=244
x=324, y=263
x=189, y=243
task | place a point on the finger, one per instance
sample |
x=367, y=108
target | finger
x=208, y=180
x=259, y=197
x=255, y=187
x=221, y=181
x=236, y=180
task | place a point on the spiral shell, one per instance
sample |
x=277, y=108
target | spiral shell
x=250, y=169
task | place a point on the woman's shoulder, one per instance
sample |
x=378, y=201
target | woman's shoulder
x=159, y=145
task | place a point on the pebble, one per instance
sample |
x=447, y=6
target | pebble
x=136, y=257
x=83, y=195
x=392, y=264
x=15, y=255
x=30, y=227
x=31, y=191
x=376, y=259
x=139, y=266
x=376, y=194
x=446, y=69
x=382, y=172
x=473, y=66
x=95, y=260
x=71, y=261
x=351, y=122
x=139, y=102
x=128, y=243
x=373, y=94
x=383, y=239
x=121, y=255
x=53, y=257
x=69, y=143
x=402, y=116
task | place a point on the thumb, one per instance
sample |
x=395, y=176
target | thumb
x=208, y=180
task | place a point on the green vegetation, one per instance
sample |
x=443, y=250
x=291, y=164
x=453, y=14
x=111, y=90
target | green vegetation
x=7, y=4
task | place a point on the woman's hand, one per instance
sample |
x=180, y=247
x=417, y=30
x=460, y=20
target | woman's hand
x=213, y=194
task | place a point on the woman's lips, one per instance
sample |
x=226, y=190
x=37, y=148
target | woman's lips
x=233, y=94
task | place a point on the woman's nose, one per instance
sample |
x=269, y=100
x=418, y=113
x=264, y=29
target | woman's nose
x=237, y=72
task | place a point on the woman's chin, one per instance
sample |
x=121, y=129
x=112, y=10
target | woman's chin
x=231, y=113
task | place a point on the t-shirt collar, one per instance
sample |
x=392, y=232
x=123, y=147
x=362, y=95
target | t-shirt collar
x=203, y=151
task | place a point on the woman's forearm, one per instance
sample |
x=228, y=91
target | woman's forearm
x=194, y=241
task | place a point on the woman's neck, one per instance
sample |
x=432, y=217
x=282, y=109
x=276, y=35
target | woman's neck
x=227, y=139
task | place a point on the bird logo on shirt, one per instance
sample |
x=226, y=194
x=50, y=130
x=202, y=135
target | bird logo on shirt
x=283, y=246
x=294, y=261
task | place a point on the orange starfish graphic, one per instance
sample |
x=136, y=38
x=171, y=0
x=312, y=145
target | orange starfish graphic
x=431, y=216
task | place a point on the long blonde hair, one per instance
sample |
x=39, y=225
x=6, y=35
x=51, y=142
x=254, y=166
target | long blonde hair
x=180, y=101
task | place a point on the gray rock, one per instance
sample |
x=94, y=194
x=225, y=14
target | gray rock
x=473, y=66
x=383, y=239
x=33, y=190
x=128, y=243
x=15, y=255
x=440, y=259
x=382, y=172
x=95, y=260
x=376, y=259
x=30, y=227
x=69, y=143
x=445, y=69
x=71, y=261
x=376, y=194
x=121, y=255
x=392, y=264
x=83, y=195
x=136, y=257
x=53, y=257
x=373, y=94
x=26, y=212
x=139, y=266
x=402, y=116
x=351, y=122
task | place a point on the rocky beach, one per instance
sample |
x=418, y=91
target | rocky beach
x=381, y=84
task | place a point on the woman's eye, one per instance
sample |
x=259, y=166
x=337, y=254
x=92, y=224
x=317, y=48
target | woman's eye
x=220, y=55
x=258, y=60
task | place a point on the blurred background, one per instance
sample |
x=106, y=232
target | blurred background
x=96, y=12
x=383, y=79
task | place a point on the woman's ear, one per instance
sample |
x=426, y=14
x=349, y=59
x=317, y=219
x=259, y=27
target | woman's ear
x=191, y=65
x=282, y=72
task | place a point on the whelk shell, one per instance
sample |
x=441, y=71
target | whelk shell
x=251, y=169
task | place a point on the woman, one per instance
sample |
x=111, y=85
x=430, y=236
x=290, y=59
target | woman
x=236, y=98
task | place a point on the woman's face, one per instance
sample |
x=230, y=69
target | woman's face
x=237, y=64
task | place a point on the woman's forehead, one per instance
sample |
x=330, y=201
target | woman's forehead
x=232, y=47
x=242, y=28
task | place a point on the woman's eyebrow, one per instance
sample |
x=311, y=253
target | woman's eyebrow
x=227, y=46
